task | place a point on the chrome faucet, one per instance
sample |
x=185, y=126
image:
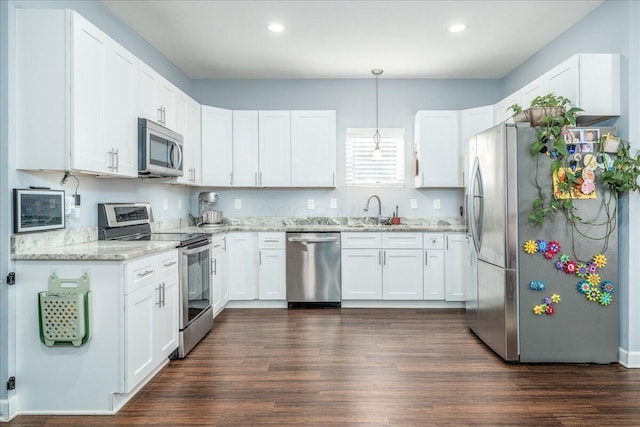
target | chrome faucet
x=366, y=208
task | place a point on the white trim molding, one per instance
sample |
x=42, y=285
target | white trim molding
x=629, y=359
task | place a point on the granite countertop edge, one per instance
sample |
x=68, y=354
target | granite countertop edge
x=102, y=250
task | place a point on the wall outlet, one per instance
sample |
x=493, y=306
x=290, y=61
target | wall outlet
x=436, y=203
x=311, y=204
x=333, y=203
x=237, y=203
x=166, y=204
x=414, y=203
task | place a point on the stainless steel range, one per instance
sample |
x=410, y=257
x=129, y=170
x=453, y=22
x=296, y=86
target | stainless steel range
x=132, y=222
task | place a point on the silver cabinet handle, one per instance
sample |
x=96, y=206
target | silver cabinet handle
x=145, y=273
x=112, y=163
x=116, y=156
x=426, y=258
x=384, y=262
x=160, y=115
x=224, y=243
x=259, y=257
x=333, y=179
x=379, y=257
x=159, y=302
x=215, y=266
x=230, y=178
x=271, y=240
x=447, y=241
x=260, y=180
x=169, y=264
x=255, y=178
x=313, y=240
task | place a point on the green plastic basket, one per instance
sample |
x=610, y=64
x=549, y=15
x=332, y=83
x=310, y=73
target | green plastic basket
x=64, y=312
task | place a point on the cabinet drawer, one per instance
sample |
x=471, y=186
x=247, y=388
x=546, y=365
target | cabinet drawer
x=433, y=240
x=400, y=240
x=271, y=241
x=168, y=261
x=219, y=242
x=140, y=273
x=356, y=240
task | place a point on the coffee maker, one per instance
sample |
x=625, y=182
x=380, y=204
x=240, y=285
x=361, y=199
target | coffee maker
x=209, y=216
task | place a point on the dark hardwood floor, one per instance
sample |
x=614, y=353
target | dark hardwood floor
x=379, y=367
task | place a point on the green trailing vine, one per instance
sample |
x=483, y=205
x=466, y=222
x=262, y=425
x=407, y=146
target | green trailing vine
x=552, y=118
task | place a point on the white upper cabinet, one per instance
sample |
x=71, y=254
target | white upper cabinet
x=245, y=149
x=274, y=134
x=437, y=147
x=501, y=109
x=217, y=145
x=85, y=107
x=313, y=148
x=188, y=120
x=472, y=121
x=562, y=80
x=599, y=84
x=156, y=97
x=122, y=111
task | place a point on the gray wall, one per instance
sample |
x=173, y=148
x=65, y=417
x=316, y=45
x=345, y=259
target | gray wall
x=354, y=102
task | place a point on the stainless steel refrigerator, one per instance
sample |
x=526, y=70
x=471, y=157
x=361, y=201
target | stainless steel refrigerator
x=501, y=308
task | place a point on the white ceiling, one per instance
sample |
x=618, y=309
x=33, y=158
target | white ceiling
x=346, y=39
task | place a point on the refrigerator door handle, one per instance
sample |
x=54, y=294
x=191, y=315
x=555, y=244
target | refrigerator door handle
x=476, y=191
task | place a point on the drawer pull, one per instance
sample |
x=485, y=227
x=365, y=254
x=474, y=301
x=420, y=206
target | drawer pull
x=145, y=273
x=271, y=240
x=169, y=264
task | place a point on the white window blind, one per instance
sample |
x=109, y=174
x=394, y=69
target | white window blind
x=362, y=170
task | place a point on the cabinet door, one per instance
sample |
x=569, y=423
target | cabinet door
x=272, y=274
x=167, y=315
x=402, y=274
x=241, y=260
x=148, y=103
x=167, y=94
x=122, y=112
x=89, y=81
x=455, y=267
x=195, y=142
x=218, y=261
x=245, y=148
x=434, y=275
x=139, y=334
x=502, y=111
x=472, y=121
x=563, y=80
x=361, y=274
x=217, y=147
x=182, y=102
x=274, y=139
x=599, y=84
x=313, y=148
x=438, y=149
x=532, y=90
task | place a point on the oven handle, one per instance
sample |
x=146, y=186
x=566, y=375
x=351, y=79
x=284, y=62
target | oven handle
x=195, y=248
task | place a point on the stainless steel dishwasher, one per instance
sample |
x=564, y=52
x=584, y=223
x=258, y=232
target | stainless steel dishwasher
x=313, y=270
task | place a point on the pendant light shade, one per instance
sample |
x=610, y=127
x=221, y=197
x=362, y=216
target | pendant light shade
x=377, y=153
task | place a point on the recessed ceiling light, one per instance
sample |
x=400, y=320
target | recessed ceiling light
x=456, y=28
x=275, y=28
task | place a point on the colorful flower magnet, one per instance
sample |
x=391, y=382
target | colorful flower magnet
x=542, y=245
x=584, y=287
x=582, y=270
x=555, y=298
x=594, y=280
x=554, y=246
x=550, y=310
x=593, y=294
x=608, y=286
x=593, y=268
x=536, y=285
x=605, y=298
x=530, y=247
x=600, y=260
x=538, y=310
x=564, y=258
x=570, y=267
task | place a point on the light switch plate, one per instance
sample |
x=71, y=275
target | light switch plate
x=436, y=203
x=333, y=203
x=311, y=204
x=237, y=203
x=166, y=204
x=414, y=203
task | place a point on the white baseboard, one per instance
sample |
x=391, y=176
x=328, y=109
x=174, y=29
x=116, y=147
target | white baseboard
x=629, y=359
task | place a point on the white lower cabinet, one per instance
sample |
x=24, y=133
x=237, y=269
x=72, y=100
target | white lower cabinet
x=392, y=271
x=455, y=266
x=242, y=264
x=151, y=314
x=134, y=327
x=219, y=284
x=434, y=279
x=272, y=279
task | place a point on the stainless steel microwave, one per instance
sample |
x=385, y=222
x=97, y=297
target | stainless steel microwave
x=37, y=209
x=159, y=150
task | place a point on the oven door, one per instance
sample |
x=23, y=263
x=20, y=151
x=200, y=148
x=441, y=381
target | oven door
x=195, y=282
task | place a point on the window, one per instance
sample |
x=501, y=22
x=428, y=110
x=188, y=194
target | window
x=363, y=170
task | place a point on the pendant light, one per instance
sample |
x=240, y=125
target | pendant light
x=377, y=153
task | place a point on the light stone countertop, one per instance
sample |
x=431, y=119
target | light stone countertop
x=99, y=250
x=82, y=244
